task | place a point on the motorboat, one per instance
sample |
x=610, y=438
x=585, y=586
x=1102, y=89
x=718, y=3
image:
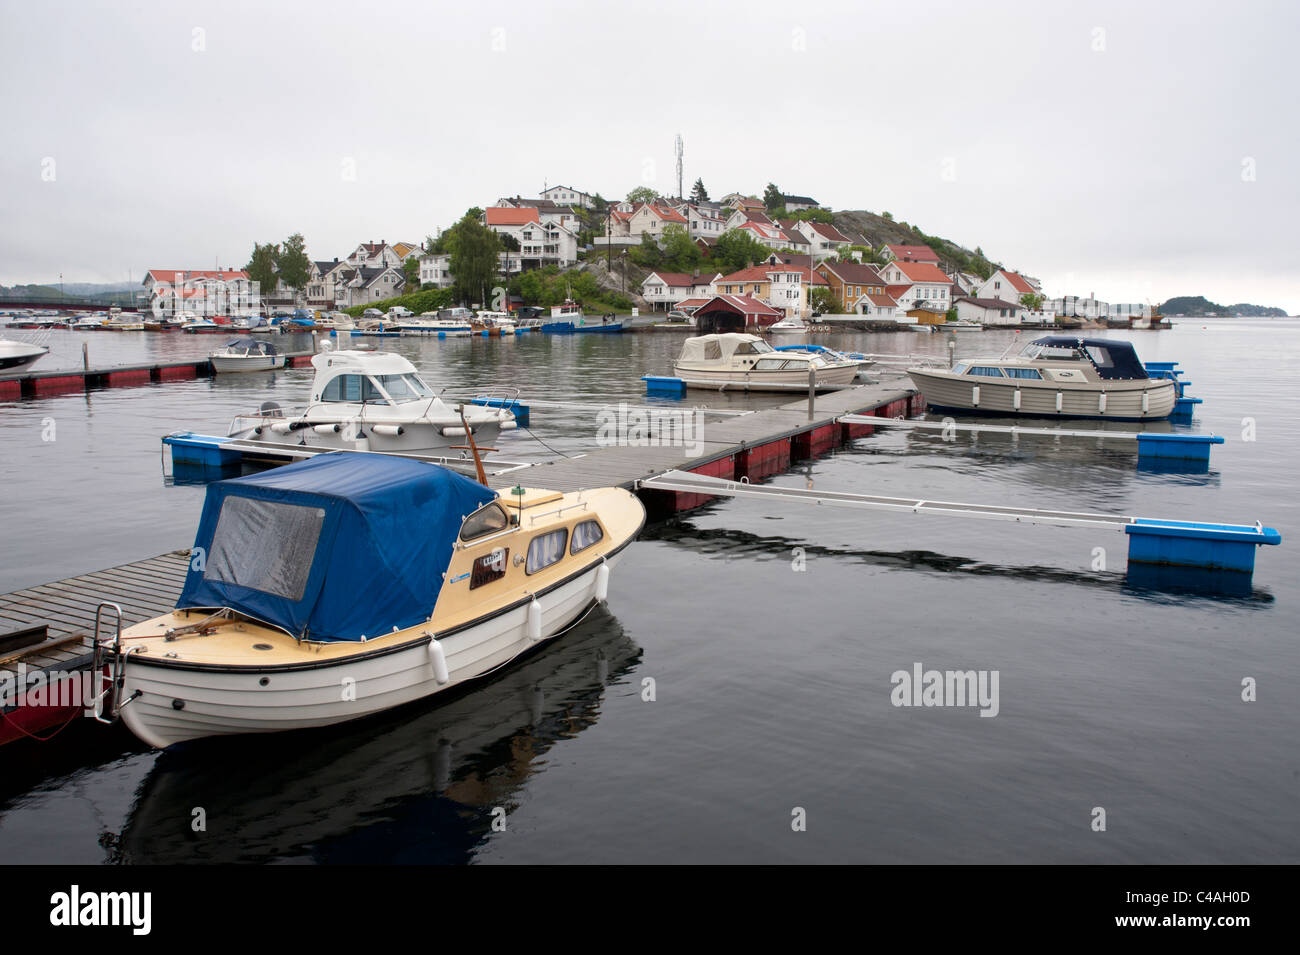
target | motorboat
x=246, y=354
x=864, y=362
x=349, y=584
x=493, y=324
x=203, y=326
x=437, y=325
x=86, y=323
x=1052, y=377
x=747, y=363
x=367, y=400
x=788, y=326
x=120, y=321
x=961, y=325
x=15, y=355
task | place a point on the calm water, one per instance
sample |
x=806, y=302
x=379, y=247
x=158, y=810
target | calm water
x=772, y=686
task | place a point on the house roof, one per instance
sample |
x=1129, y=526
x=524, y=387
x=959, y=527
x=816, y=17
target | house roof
x=759, y=217
x=692, y=302
x=802, y=200
x=499, y=216
x=914, y=253
x=569, y=188
x=1018, y=282
x=666, y=213
x=181, y=275
x=854, y=273
x=894, y=291
x=674, y=279
x=743, y=304
x=828, y=231
x=760, y=273
x=766, y=231
x=921, y=272
x=749, y=203
x=370, y=275
x=984, y=302
x=878, y=299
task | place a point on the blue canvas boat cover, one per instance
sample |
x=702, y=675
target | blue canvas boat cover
x=342, y=546
x=1114, y=359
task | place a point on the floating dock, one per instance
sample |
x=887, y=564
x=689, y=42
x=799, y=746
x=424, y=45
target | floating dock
x=39, y=384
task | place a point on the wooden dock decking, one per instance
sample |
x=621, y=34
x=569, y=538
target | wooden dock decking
x=756, y=445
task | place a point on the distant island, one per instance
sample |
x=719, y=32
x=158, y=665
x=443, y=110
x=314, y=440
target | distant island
x=1199, y=305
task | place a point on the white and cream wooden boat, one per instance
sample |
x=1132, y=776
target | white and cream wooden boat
x=352, y=583
x=1052, y=377
x=743, y=362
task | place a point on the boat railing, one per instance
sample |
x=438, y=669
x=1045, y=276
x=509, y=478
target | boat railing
x=502, y=396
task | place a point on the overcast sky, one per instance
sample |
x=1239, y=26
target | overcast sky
x=1135, y=150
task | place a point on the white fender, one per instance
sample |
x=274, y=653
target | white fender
x=389, y=430
x=280, y=427
x=325, y=428
x=602, y=582
x=439, y=660
x=975, y=396
x=533, y=626
x=1016, y=399
x=1058, y=402
x=363, y=444
x=1101, y=403
x=1146, y=403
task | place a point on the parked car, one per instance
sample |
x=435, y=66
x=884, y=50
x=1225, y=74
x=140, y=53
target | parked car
x=397, y=311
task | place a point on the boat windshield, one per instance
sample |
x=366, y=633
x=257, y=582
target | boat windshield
x=404, y=387
x=753, y=348
x=1053, y=352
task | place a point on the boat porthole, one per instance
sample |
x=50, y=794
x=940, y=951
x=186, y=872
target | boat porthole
x=265, y=681
x=178, y=704
x=262, y=646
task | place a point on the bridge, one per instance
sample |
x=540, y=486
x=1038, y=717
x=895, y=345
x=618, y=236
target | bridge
x=68, y=304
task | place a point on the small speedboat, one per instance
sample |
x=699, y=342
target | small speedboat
x=788, y=326
x=349, y=584
x=246, y=354
x=959, y=326
x=371, y=401
x=1052, y=377
x=864, y=362
x=203, y=326
x=747, y=363
x=17, y=355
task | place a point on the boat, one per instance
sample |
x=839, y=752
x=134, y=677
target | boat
x=86, y=323
x=568, y=317
x=961, y=325
x=493, y=324
x=1052, y=377
x=457, y=581
x=368, y=400
x=433, y=324
x=203, y=326
x=747, y=363
x=15, y=355
x=120, y=321
x=246, y=354
x=864, y=362
x=788, y=326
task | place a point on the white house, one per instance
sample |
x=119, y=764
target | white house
x=435, y=270
x=917, y=285
x=540, y=243
x=877, y=306
x=825, y=239
x=374, y=255
x=795, y=203
x=567, y=196
x=202, y=291
x=363, y=285
x=1006, y=285
x=988, y=311
x=669, y=289
x=321, y=282
x=653, y=219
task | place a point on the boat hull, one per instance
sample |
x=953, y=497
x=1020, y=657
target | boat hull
x=228, y=364
x=222, y=701
x=353, y=435
x=1124, y=399
x=697, y=376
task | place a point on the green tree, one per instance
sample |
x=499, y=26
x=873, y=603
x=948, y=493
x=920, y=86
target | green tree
x=680, y=253
x=698, y=192
x=411, y=271
x=261, y=267
x=474, y=249
x=642, y=194
x=772, y=198
x=1031, y=301
x=736, y=249
x=598, y=204
x=647, y=254
x=825, y=300
x=887, y=215
x=292, y=264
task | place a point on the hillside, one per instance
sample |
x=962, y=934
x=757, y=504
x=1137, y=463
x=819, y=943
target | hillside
x=1199, y=305
x=879, y=230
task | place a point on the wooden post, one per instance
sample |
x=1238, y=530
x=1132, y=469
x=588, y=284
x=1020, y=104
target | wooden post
x=812, y=389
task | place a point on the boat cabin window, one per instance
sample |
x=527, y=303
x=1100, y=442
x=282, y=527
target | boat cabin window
x=355, y=388
x=404, y=387
x=488, y=519
x=545, y=549
x=770, y=364
x=960, y=368
x=986, y=371
x=584, y=535
x=1022, y=373
x=264, y=545
x=1100, y=356
x=753, y=348
x=712, y=350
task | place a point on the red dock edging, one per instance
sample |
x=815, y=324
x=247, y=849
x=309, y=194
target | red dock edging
x=43, y=384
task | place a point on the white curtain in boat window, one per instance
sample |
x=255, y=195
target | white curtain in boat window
x=584, y=535
x=264, y=545
x=546, y=549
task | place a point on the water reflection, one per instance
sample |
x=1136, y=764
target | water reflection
x=414, y=785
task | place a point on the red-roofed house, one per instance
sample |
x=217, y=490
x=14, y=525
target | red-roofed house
x=849, y=281
x=768, y=235
x=541, y=242
x=496, y=217
x=669, y=289
x=786, y=287
x=734, y=313
x=910, y=253
x=374, y=255
x=1006, y=285
x=826, y=240
x=918, y=287
x=653, y=219
x=205, y=292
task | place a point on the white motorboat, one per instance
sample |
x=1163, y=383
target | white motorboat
x=959, y=326
x=368, y=400
x=747, y=363
x=348, y=584
x=788, y=326
x=494, y=324
x=86, y=323
x=246, y=354
x=864, y=362
x=204, y=326
x=15, y=355
x=436, y=325
x=1052, y=377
